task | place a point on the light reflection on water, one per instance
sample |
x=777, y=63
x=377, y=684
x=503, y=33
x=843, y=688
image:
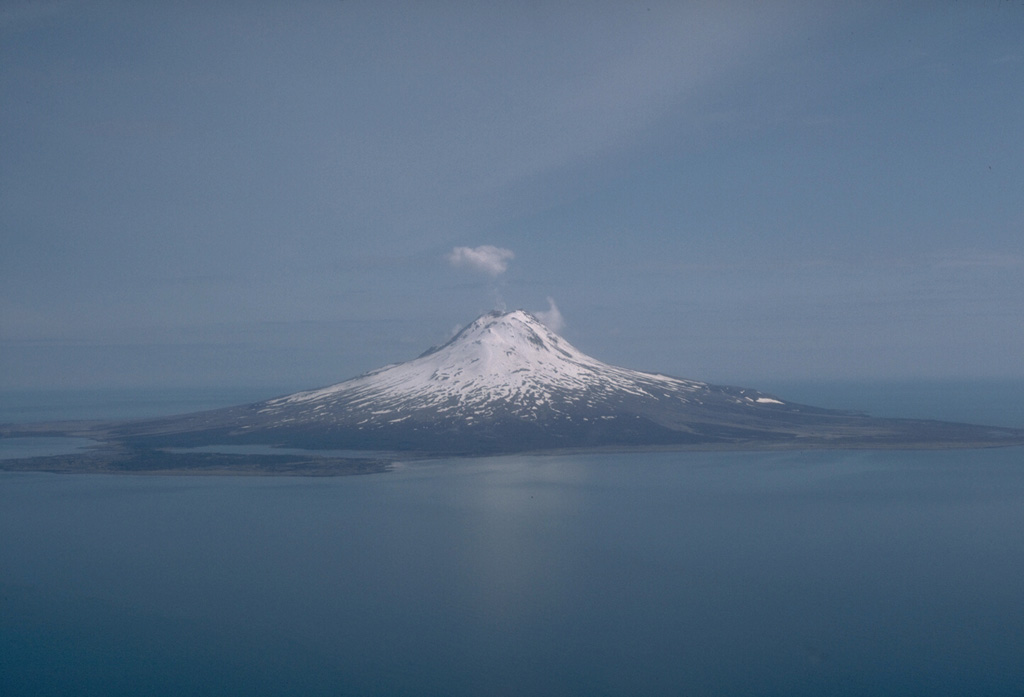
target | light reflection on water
x=744, y=573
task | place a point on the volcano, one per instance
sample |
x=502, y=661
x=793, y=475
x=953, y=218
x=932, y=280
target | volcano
x=506, y=383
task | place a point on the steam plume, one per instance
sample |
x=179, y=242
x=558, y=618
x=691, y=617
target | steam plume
x=551, y=317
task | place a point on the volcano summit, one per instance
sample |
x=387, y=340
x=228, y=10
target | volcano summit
x=506, y=383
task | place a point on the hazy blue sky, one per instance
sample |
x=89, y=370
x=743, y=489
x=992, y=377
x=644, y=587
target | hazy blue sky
x=234, y=193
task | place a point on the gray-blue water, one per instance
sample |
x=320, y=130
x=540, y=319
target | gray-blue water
x=851, y=573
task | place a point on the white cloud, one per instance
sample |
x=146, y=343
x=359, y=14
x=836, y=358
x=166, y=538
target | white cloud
x=551, y=317
x=486, y=258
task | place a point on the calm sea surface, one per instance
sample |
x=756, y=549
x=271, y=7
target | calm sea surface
x=803, y=573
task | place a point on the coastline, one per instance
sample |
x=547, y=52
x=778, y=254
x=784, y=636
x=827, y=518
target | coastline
x=116, y=459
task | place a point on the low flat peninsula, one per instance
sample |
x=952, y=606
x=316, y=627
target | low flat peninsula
x=107, y=459
x=112, y=456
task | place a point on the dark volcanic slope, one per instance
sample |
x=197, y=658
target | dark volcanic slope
x=506, y=383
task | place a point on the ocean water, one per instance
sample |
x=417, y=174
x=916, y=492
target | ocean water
x=801, y=573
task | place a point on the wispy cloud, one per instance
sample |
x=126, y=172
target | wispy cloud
x=976, y=260
x=18, y=14
x=532, y=103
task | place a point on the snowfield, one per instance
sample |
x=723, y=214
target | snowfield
x=509, y=363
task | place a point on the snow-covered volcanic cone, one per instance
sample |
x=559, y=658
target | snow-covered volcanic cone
x=507, y=383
